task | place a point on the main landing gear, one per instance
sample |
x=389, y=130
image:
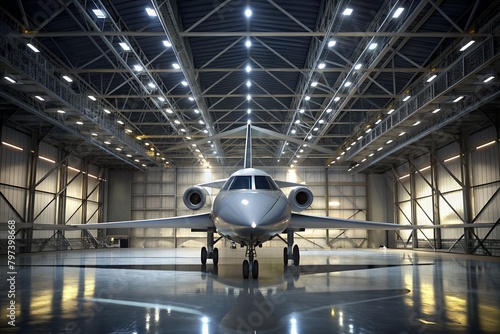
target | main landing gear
x=211, y=252
x=291, y=252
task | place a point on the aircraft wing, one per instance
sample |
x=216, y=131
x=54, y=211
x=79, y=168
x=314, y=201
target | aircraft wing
x=301, y=221
x=213, y=184
x=197, y=222
x=285, y=184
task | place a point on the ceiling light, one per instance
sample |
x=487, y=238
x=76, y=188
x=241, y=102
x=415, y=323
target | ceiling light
x=184, y=83
x=188, y=138
x=316, y=129
x=196, y=111
x=436, y=110
x=161, y=98
x=309, y=137
x=99, y=13
x=321, y=66
x=129, y=155
x=353, y=143
x=9, y=79
x=249, y=97
x=124, y=46
x=301, y=111
x=467, y=45
x=358, y=66
x=248, y=43
x=487, y=144
x=380, y=149
x=458, y=98
x=342, y=153
x=371, y=155
x=248, y=12
x=79, y=122
x=314, y=84
x=151, y=85
x=368, y=130
x=248, y=68
x=372, y=46
x=347, y=84
x=94, y=134
x=347, y=11
x=107, y=111
x=378, y=121
x=13, y=146
x=360, y=137
x=416, y=123
x=151, y=11
x=297, y=121
x=389, y=141
x=38, y=97
x=249, y=83
x=294, y=131
x=118, y=149
x=336, y=99
x=398, y=12
x=136, y=160
x=176, y=66
x=407, y=97
x=201, y=121
x=177, y=121
x=307, y=98
x=401, y=134
x=331, y=43
x=301, y=151
x=432, y=78
x=249, y=111
x=167, y=43
x=390, y=111
x=128, y=131
x=489, y=78
x=321, y=121
x=452, y=158
x=61, y=111
x=191, y=98
x=183, y=130
x=329, y=110
x=347, y=149
x=32, y=47
x=363, y=160
x=138, y=68
x=120, y=122
x=68, y=79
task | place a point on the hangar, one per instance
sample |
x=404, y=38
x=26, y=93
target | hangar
x=387, y=110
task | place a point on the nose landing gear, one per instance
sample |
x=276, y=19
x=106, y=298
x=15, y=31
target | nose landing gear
x=251, y=264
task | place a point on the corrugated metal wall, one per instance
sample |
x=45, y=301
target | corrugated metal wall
x=158, y=193
x=48, y=207
x=466, y=173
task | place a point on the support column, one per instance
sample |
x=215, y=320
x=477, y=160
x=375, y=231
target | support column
x=378, y=207
x=30, y=208
x=467, y=190
x=62, y=181
x=413, y=203
x=435, y=201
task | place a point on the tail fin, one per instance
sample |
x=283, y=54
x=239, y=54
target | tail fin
x=248, y=148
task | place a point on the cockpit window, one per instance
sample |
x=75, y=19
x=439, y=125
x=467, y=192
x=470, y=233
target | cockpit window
x=241, y=182
x=264, y=182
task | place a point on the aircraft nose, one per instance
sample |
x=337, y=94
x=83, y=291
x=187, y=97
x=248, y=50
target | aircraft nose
x=251, y=209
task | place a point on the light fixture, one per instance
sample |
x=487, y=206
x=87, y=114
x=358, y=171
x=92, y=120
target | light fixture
x=201, y=121
x=488, y=79
x=380, y=149
x=416, y=123
x=360, y=137
x=466, y=46
x=371, y=155
x=249, y=111
x=128, y=131
x=94, y=134
x=347, y=11
x=248, y=68
x=363, y=160
x=129, y=155
x=436, y=110
x=161, y=98
x=248, y=12
x=151, y=11
x=151, y=85
x=321, y=66
x=184, y=83
x=307, y=98
x=329, y=110
x=336, y=99
x=32, y=47
x=389, y=141
x=378, y=121
x=118, y=149
x=316, y=129
x=249, y=97
x=249, y=83
x=191, y=98
x=99, y=13
x=176, y=66
x=38, y=97
x=120, y=122
x=302, y=110
x=347, y=84
x=9, y=79
x=368, y=130
x=12, y=146
x=196, y=111
x=79, y=122
x=314, y=84
x=458, y=98
x=407, y=97
x=401, y=134
x=452, y=158
x=390, y=111
x=60, y=111
x=297, y=121
x=358, y=66
x=124, y=46
x=321, y=121
x=138, y=68
x=331, y=43
x=372, y=46
x=398, y=12
x=68, y=79
x=487, y=144
x=432, y=77
x=167, y=43
x=248, y=43
x=294, y=131
x=177, y=121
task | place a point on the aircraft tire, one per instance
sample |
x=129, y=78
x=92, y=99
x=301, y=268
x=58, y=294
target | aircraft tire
x=204, y=255
x=255, y=269
x=246, y=269
x=215, y=256
x=296, y=255
x=285, y=256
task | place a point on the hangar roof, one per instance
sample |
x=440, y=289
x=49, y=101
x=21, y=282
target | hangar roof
x=168, y=77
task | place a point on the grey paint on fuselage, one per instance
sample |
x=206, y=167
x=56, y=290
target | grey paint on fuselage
x=250, y=216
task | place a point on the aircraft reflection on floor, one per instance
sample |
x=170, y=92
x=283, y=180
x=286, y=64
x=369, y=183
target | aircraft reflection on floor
x=350, y=291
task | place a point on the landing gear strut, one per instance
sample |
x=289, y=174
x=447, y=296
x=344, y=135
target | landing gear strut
x=291, y=252
x=211, y=252
x=251, y=264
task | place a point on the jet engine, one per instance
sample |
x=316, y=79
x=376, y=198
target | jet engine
x=300, y=198
x=195, y=197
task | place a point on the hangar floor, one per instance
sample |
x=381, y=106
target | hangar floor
x=167, y=291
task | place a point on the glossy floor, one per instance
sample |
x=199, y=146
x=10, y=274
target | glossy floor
x=167, y=291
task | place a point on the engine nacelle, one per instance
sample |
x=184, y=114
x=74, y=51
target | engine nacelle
x=195, y=197
x=300, y=198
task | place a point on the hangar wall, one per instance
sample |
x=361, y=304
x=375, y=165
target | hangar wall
x=42, y=184
x=455, y=184
x=158, y=193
